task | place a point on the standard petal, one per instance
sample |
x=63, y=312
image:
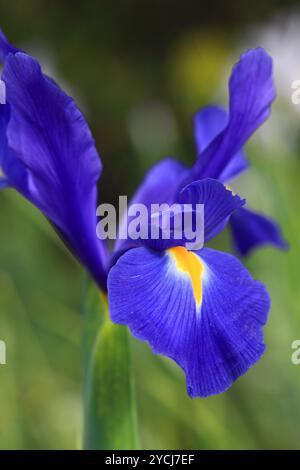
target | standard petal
x=251, y=230
x=159, y=186
x=208, y=123
x=50, y=139
x=251, y=91
x=202, y=310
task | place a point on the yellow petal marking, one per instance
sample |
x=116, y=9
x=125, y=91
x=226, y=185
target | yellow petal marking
x=229, y=188
x=188, y=262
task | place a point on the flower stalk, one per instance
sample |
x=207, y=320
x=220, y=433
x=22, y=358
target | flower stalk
x=109, y=404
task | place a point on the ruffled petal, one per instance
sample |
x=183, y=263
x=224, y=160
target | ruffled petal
x=219, y=203
x=251, y=91
x=251, y=230
x=51, y=158
x=179, y=225
x=202, y=210
x=203, y=310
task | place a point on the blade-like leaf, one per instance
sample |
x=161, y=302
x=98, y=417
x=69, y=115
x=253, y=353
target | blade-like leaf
x=109, y=405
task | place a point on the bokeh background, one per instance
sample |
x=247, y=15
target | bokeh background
x=139, y=70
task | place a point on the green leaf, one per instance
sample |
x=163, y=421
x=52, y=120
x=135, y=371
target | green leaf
x=109, y=405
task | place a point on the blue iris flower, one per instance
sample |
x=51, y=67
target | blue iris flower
x=203, y=309
x=48, y=155
x=200, y=308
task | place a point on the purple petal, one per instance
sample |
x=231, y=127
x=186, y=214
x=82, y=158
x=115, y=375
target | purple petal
x=219, y=203
x=212, y=196
x=5, y=47
x=159, y=186
x=3, y=182
x=214, y=339
x=208, y=123
x=251, y=92
x=51, y=140
x=13, y=170
x=235, y=167
x=251, y=230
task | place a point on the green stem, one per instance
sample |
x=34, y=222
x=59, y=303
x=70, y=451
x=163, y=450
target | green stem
x=109, y=404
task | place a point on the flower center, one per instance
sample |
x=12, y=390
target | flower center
x=188, y=262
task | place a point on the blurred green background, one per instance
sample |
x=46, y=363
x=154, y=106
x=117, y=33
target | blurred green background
x=139, y=70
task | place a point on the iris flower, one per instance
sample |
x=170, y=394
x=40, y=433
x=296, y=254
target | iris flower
x=203, y=309
x=200, y=308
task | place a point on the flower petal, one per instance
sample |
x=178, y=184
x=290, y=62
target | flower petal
x=13, y=171
x=215, y=340
x=201, y=211
x=219, y=203
x=3, y=183
x=5, y=47
x=250, y=230
x=159, y=186
x=208, y=123
x=50, y=138
x=251, y=92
